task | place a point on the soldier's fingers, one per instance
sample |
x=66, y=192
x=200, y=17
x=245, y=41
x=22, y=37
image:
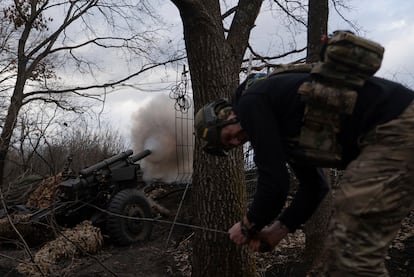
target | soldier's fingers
x=254, y=245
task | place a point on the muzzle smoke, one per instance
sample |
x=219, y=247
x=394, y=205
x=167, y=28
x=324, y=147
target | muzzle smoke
x=168, y=134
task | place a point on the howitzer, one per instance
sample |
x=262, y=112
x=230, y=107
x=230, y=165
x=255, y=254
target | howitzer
x=107, y=193
x=121, y=160
x=120, y=167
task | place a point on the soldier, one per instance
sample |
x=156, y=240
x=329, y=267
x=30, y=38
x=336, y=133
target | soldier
x=370, y=134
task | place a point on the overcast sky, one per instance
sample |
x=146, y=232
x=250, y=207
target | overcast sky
x=389, y=22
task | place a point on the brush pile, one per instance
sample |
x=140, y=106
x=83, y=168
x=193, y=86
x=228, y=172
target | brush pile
x=81, y=240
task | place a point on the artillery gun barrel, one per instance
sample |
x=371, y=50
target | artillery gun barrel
x=140, y=155
x=105, y=163
x=131, y=160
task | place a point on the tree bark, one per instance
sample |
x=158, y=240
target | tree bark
x=16, y=104
x=317, y=26
x=218, y=183
x=316, y=229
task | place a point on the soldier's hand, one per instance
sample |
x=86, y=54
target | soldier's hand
x=236, y=235
x=269, y=237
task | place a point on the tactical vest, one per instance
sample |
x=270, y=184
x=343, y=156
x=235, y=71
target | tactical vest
x=347, y=61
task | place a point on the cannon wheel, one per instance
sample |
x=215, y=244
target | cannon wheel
x=130, y=203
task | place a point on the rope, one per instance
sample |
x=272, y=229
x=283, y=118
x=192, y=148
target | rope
x=196, y=227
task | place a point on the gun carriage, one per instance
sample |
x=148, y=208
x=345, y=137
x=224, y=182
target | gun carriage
x=107, y=193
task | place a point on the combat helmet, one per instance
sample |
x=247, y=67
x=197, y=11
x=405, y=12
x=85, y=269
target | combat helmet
x=208, y=122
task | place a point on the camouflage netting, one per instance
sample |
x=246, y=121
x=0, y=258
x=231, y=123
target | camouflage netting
x=34, y=234
x=43, y=195
x=18, y=192
x=80, y=240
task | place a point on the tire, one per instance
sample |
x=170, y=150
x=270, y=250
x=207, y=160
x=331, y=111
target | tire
x=124, y=231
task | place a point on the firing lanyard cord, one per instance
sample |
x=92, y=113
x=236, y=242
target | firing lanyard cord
x=159, y=220
x=176, y=215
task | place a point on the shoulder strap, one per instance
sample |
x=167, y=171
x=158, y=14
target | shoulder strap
x=289, y=68
x=284, y=68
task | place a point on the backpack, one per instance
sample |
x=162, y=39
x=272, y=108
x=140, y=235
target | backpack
x=347, y=61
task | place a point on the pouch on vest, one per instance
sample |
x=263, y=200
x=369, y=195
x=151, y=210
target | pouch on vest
x=325, y=106
x=348, y=61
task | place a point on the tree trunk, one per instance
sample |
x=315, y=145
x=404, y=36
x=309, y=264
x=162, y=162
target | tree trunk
x=9, y=124
x=16, y=101
x=316, y=229
x=317, y=26
x=218, y=183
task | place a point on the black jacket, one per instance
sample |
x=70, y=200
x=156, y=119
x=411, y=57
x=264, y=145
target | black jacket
x=271, y=111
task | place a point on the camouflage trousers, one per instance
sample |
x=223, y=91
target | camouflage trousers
x=374, y=196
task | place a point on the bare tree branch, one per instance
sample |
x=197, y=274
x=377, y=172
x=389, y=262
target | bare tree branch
x=337, y=4
x=229, y=12
x=264, y=58
x=289, y=13
x=97, y=86
x=26, y=246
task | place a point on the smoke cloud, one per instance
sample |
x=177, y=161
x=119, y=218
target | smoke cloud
x=158, y=127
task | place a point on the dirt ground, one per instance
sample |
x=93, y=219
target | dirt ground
x=149, y=258
x=153, y=258
x=158, y=257
x=166, y=253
